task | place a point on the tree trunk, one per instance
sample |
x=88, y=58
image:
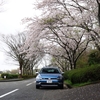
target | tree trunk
x=20, y=70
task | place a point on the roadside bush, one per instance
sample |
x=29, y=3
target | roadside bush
x=12, y=76
x=9, y=76
x=4, y=74
x=27, y=76
x=82, y=75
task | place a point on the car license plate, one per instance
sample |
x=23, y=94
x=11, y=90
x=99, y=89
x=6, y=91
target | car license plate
x=49, y=81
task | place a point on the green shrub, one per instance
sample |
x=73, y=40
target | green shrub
x=94, y=57
x=27, y=76
x=4, y=74
x=12, y=76
x=82, y=75
x=9, y=76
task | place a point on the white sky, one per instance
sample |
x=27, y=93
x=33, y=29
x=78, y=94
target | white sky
x=10, y=23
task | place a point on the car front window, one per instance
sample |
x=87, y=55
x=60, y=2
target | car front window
x=49, y=70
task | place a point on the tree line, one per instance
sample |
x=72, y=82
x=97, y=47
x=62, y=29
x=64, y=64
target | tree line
x=66, y=30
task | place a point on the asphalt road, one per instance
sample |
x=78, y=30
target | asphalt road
x=25, y=90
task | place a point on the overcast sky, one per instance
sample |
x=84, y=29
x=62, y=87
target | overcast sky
x=10, y=23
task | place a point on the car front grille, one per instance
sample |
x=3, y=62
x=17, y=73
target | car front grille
x=49, y=84
x=49, y=78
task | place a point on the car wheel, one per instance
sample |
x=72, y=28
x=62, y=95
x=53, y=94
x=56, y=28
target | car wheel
x=61, y=86
x=37, y=86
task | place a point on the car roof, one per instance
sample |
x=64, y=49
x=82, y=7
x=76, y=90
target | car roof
x=50, y=67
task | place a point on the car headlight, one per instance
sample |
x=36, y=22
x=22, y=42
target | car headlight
x=60, y=77
x=38, y=77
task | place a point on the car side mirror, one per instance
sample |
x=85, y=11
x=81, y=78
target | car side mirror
x=62, y=73
x=36, y=73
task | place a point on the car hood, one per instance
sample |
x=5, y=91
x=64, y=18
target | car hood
x=50, y=75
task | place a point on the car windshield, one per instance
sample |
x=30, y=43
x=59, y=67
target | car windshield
x=49, y=70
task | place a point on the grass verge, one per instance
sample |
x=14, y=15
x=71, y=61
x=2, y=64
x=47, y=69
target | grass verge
x=69, y=84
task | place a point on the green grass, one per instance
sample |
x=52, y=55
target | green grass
x=1, y=78
x=81, y=84
x=68, y=82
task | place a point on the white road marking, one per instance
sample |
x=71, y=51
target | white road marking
x=8, y=93
x=30, y=83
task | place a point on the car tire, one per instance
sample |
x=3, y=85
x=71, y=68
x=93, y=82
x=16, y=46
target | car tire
x=61, y=86
x=37, y=86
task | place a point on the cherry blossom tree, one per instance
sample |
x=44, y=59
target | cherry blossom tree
x=60, y=62
x=78, y=13
x=72, y=42
x=15, y=43
x=65, y=24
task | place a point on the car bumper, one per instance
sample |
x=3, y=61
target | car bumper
x=43, y=83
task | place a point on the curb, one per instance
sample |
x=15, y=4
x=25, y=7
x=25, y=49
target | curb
x=67, y=86
x=10, y=80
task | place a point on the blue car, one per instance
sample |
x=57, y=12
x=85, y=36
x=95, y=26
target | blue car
x=49, y=76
